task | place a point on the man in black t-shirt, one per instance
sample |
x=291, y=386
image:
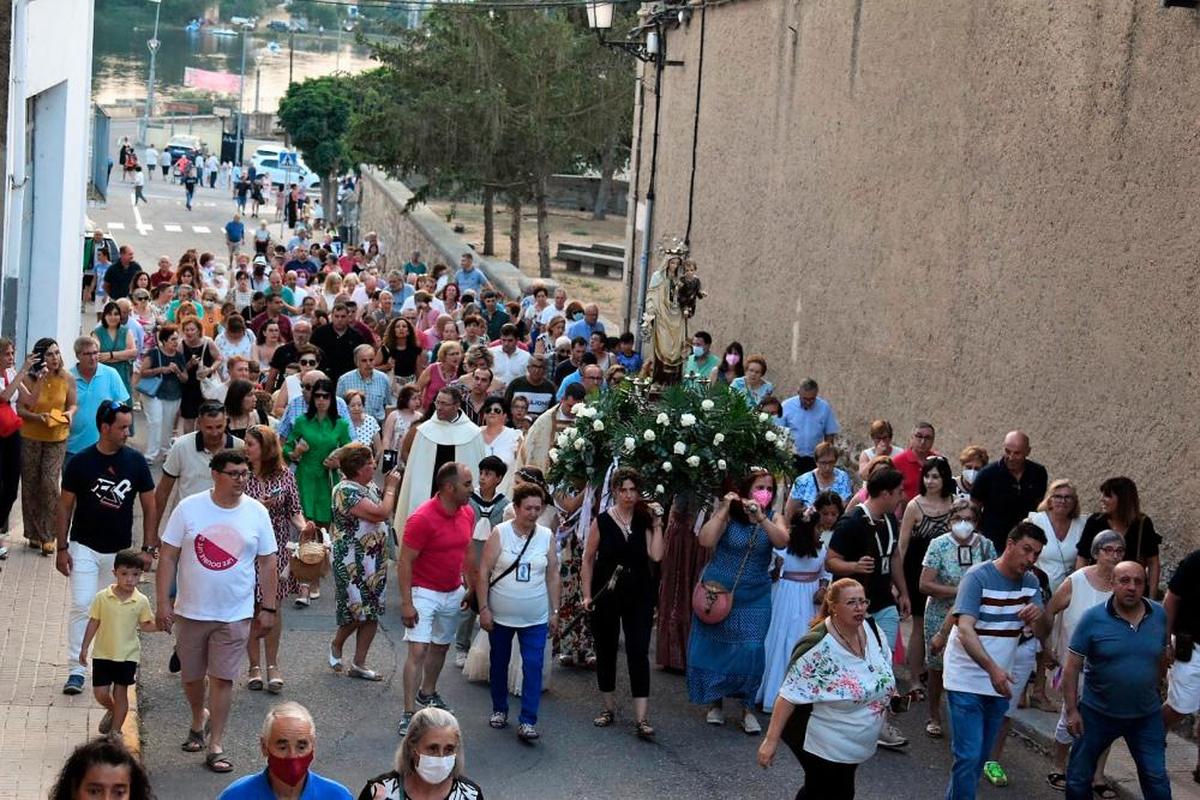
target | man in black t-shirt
x=865, y=546
x=1183, y=622
x=1008, y=490
x=534, y=386
x=98, y=490
x=119, y=277
x=337, y=341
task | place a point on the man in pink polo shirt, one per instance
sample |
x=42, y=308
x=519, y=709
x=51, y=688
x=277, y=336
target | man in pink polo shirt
x=433, y=554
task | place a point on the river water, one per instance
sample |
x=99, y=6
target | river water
x=121, y=60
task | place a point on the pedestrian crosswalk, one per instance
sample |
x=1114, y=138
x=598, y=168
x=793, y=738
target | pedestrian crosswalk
x=166, y=227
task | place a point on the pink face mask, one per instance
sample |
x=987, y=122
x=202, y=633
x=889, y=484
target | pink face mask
x=763, y=497
x=732, y=359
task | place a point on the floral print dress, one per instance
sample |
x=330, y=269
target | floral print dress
x=279, y=494
x=359, y=556
x=943, y=557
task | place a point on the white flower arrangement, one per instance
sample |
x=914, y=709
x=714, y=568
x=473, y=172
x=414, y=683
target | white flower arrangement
x=660, y=489
x=693, y=461
x=553, y=454
x=630, y=443
x=663, y=419
x=772, y=437
x=580, y=444
x=707, y=405
x=721, y=464
x=679, y=449
x=667, y=467
x=648, y=435
x=686, y=420
x=720, y=437
x=597, y=425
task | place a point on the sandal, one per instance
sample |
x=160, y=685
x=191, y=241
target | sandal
x=643, y=729
x=196, y=739
x=605, y=719
x=498, y=720
x=218, y=762
x=363, y=673
x=1104, y=791
x=916, y=695
x=274, y=685
x=933, y=729
x=255, y=684
x=1057, y=780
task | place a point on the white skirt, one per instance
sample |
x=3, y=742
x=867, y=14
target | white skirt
x=479, y=664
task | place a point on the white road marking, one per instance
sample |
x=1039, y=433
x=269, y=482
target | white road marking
x=144, y=227
x=137, y=215
x=172, y=228
x=200, y=229
x=116, y=226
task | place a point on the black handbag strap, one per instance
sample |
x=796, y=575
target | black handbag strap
x=513, y=565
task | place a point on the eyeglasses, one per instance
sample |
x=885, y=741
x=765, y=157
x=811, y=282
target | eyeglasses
x=308, y=362
x=494, y=410
x=237, y=474
x=1112, y=549
x=826, y=463
x=857, y=602
x=89, y=353
x=319, y=395
x=1066, y=498
x=925, y=437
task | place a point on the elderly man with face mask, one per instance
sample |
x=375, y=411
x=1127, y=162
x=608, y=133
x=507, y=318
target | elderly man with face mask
x=289, y=745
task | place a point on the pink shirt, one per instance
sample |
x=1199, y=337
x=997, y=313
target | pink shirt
x=442, y=540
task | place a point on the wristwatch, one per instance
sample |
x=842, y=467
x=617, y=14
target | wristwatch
x=153, y=551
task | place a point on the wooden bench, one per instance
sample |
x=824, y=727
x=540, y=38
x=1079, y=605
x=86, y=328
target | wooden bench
x=600, y=263
x=609, y=248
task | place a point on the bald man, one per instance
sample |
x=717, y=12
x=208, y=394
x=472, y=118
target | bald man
x=1006, y=491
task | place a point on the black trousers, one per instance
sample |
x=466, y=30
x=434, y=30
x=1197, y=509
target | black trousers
x=825, y=780
x=10, y=474
x=803, y=464
x=609, y=615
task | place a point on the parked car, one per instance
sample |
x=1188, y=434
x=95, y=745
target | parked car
x=278, y=25
x=182, y=145
x=244, y=22
x=267, y=163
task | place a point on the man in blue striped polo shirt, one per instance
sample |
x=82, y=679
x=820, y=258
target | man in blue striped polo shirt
x=996, y=600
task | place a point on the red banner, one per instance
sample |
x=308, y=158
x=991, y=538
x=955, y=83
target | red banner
x=209, y=81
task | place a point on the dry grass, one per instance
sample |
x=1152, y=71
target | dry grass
x=565, y=226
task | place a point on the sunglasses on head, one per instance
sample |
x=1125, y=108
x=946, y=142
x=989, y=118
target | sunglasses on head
x=211, y=409
x=108, y=411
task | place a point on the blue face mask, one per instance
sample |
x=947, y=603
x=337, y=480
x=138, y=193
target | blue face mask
x=697, y=351
x=578, y=315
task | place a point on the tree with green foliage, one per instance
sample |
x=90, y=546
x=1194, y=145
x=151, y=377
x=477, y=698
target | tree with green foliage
x=316, y=113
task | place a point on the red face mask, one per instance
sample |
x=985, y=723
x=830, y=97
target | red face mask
x=289, y=770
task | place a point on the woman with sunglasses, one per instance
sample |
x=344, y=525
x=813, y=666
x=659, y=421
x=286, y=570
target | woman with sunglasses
x=946, y=560
x=272, y=484
x=830, y=709
x=47, y=404
x=314, y=437
x=499, y=439
x=925, y=518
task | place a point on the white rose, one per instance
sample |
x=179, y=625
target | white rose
x=663, y=419
x=707, y=405
x=585, y=411
x=597, y=425
x=680, y=448
x=693, y=461
x=580, y=444
x=563, y=440
x=771, y=437
x=648, y=435
x=553, y=454
x=687, y=420
x=630, y=443
x=763, y=416
x=720, y=437
x=721, y=464
x=667, y=466
x=659, y=489
x=571, y=432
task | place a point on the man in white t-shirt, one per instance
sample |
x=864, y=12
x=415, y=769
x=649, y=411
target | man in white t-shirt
x=211, y=547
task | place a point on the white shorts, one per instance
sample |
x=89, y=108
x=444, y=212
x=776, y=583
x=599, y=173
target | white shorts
x=1023, y=666
x=1183, y=685
x=437, y=616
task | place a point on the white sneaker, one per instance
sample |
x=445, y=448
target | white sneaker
x=715, y=716
x=460, y=659
x=750, y=724
x=891, y=737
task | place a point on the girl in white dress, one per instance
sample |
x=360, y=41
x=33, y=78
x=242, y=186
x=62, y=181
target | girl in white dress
x=794, y=603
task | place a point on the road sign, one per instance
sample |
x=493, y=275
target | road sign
x=287, y=159
x=153, y=44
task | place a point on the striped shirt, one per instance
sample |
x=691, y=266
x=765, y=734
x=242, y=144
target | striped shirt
x=994, y=601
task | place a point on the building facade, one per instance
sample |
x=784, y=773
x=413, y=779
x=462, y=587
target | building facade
x=45, y=193
x=981, y=214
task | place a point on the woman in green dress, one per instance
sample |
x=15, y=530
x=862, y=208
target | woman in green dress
x=318, y=432
x=117, y=346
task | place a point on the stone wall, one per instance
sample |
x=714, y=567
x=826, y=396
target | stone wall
x=403, y=231
x=578, y=192
x=978, y=213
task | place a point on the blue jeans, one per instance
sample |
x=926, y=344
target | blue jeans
x=532, y=641
x=888, y=622
x=1145, y=737
x=975, y=720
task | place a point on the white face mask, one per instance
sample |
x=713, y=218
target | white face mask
x=962, y=529
x=435, y=769
x=969, y=474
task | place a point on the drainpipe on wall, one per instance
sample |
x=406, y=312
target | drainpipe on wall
x=648, y=222
x=631, y=204
x=15, y=177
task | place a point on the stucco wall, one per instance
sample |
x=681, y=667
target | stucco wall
x=979, y=213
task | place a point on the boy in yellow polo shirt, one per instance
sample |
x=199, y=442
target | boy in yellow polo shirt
x=116, y=615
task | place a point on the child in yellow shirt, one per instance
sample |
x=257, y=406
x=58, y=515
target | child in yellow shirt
x=117, y=613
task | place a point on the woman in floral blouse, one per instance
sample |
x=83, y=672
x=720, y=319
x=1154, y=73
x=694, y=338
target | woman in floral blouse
x=831, y=707
x=271, y=483
x=359, y=555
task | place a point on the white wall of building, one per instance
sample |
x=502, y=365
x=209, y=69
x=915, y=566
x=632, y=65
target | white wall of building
x=50, y=109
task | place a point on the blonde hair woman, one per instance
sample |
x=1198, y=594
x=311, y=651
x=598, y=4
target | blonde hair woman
x=330, y=291
x=440, y=373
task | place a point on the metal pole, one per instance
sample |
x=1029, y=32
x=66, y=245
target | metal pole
x=337, y=63
x=153, y=45
x=257, y=77
x=237, y=149
x=291, y=52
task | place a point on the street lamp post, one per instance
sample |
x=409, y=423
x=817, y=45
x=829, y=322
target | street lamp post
x=153, y=45
x=237, y=148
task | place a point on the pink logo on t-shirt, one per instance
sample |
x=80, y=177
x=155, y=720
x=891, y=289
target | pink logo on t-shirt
x=216, y=545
